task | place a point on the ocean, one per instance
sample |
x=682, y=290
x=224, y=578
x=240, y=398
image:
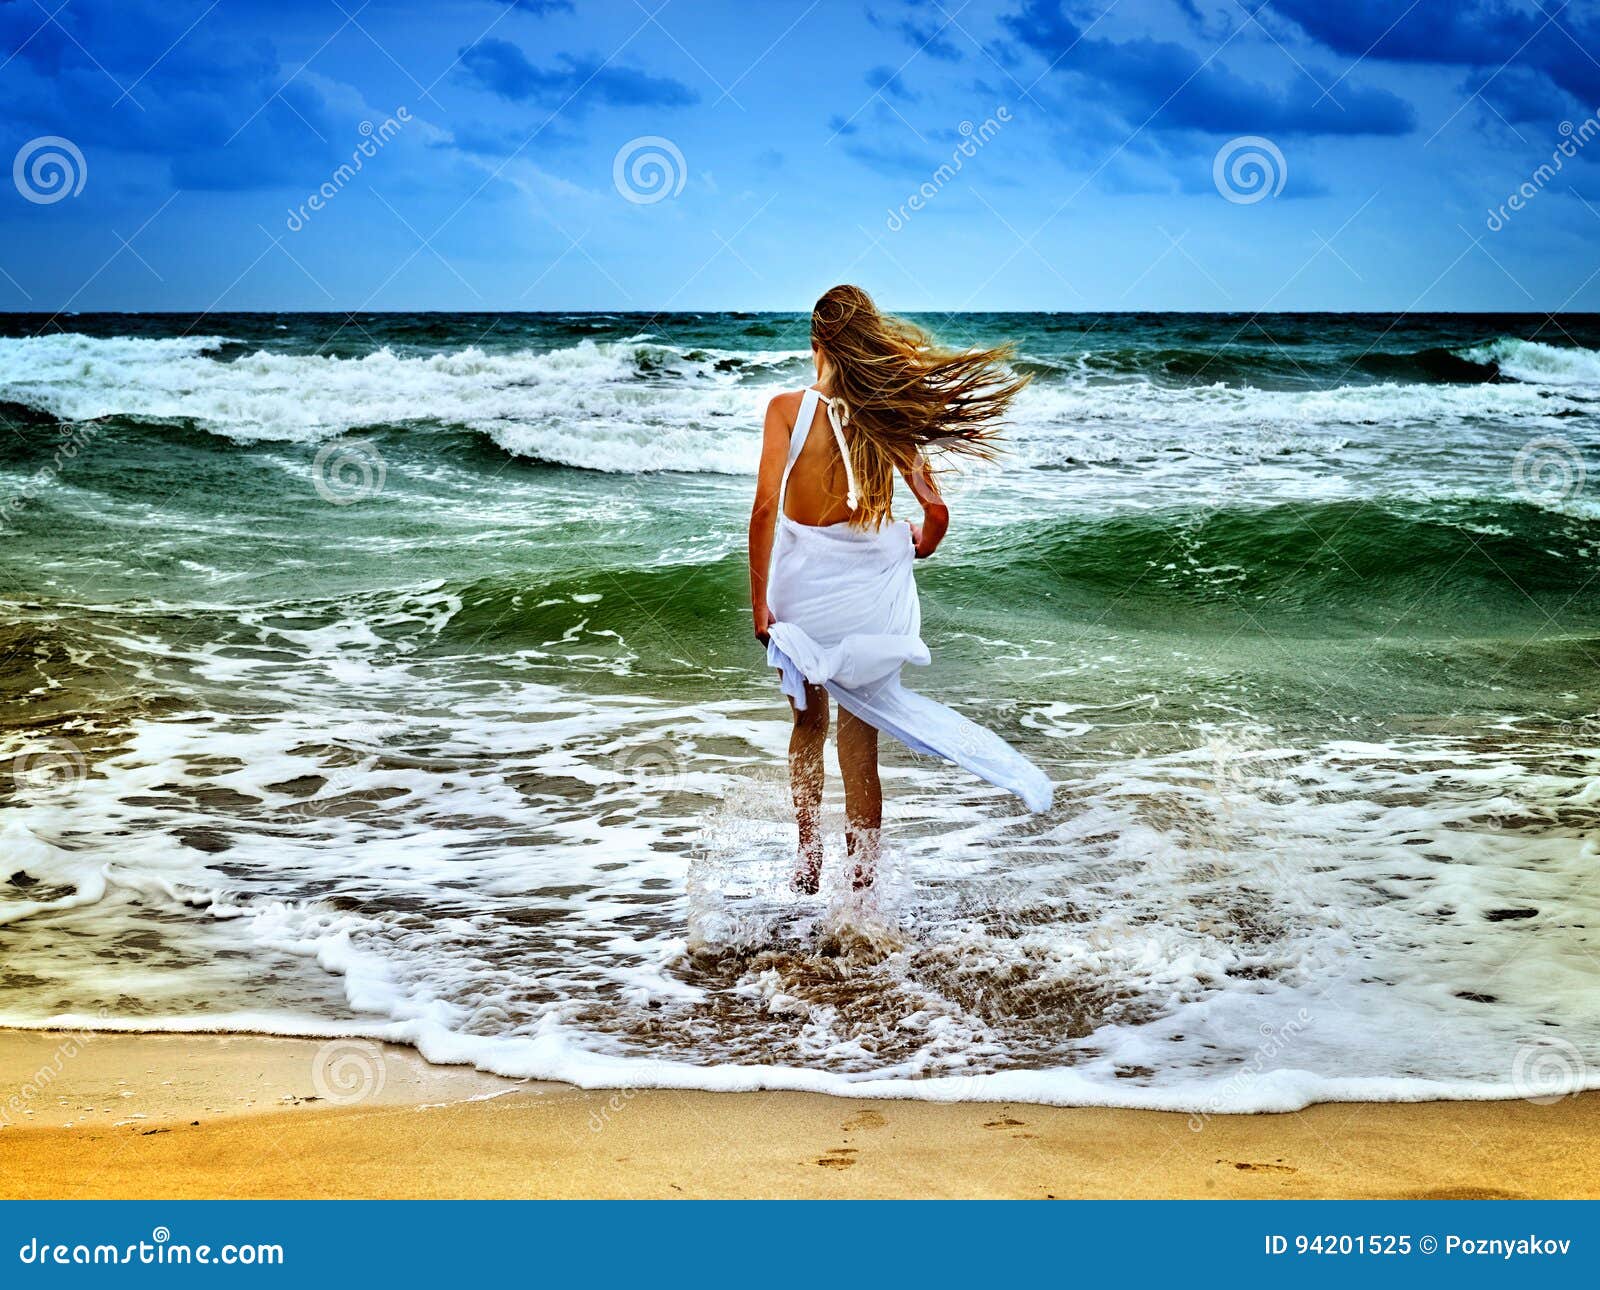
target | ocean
x=391, y=677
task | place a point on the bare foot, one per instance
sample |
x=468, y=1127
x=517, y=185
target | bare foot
x=807, y=879
x=862, y=846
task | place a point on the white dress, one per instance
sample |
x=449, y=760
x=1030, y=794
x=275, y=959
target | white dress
x=846, y=617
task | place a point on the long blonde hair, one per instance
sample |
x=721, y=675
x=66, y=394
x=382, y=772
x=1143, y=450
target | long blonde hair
x=904, y=396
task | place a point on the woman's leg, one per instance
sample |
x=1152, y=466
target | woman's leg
x=863, y=795
x=805, y=785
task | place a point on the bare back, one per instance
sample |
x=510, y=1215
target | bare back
x=817, y=489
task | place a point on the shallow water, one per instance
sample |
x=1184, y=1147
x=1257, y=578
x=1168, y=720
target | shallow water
x=392, y=676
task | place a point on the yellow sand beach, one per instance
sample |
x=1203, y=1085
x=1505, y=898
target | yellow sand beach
x=176, y=1116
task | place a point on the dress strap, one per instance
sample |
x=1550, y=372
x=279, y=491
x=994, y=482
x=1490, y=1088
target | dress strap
x=839, y=418
x=797, y=439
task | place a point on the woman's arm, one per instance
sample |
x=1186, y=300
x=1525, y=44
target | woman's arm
x=764, y=514
x=935, y=514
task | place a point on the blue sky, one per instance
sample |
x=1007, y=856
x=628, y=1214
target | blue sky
x=791, y=144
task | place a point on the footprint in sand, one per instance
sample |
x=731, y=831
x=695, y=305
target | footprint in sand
x=1463, y=1193
x=838, y=1158
x=864, y=1120
x=1255, y=1167
x=1005, y=1122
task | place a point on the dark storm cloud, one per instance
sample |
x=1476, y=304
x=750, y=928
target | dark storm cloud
x=501, y=67
x=1173, y=86
x=1556, y=43
x=223, y=114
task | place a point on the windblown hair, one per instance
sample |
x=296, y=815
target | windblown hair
x=904, y=396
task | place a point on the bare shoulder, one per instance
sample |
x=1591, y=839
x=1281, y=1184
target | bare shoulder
x=782, y=409
x=786, y=405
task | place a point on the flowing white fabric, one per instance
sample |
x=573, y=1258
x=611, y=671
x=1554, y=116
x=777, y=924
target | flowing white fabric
x=846, y=617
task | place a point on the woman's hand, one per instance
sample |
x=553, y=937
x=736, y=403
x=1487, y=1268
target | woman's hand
x=924, y=543
x=925, y=537
x=764, y=513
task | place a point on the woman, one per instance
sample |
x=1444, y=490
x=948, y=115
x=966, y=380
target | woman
x=831, y=586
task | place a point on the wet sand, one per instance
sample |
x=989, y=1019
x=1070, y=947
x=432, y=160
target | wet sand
x=244, y=1116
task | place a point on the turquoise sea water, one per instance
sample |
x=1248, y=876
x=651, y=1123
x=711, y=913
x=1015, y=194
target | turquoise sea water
x=392, y=675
